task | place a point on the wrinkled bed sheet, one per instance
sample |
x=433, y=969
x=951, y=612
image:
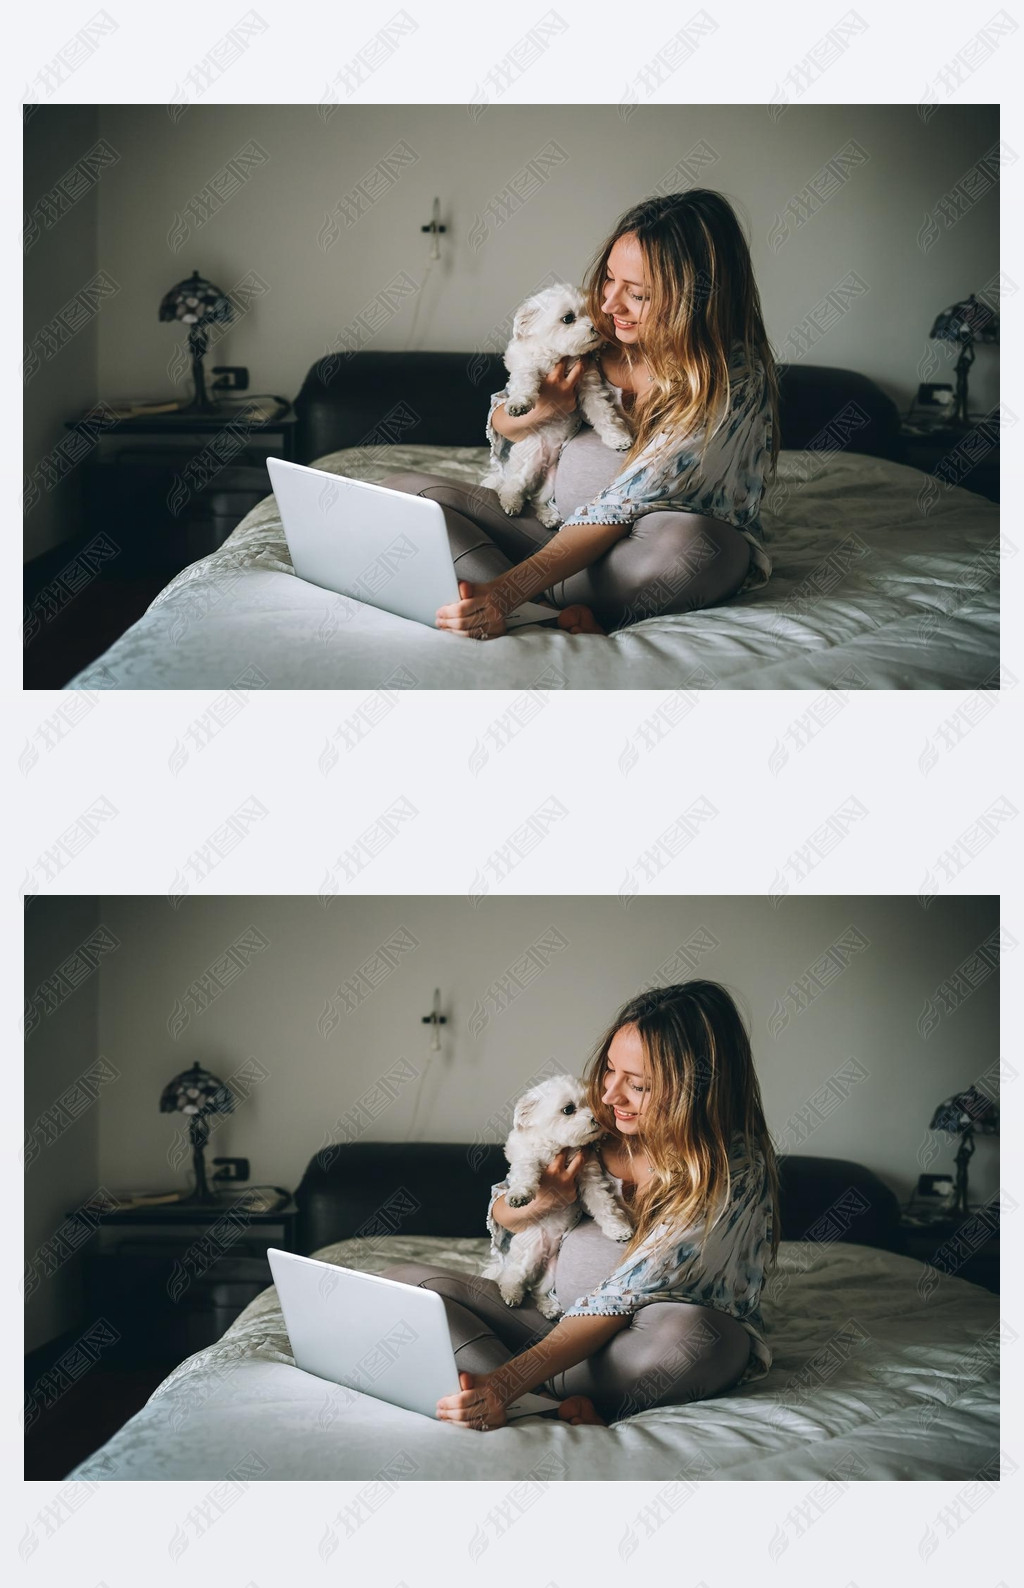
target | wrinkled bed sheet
x=884, y=579
x=876, y=1375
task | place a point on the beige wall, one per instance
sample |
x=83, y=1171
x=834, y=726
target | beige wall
x=61, y=1161
x=318, y=275
x=59, y=263
x=527, y=984
x=275, y=1009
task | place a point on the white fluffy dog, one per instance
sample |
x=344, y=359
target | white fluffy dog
x=548, y=1117
x=549, y=326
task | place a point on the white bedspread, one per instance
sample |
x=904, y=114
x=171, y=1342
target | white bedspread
x=875, y=587
x=872, y=1379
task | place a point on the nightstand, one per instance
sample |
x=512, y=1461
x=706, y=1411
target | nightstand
x=168, y=489
x=228, y=423
x=967, y=456
x=965, y=1247
x=171, y=1278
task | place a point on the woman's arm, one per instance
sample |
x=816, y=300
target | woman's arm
x=573, y=547
x=512, y=1218
x=572, y=1340
x=483, y=608
x=483, y=1403
x=516, y=429
x=556, y=397
x=556, y=1188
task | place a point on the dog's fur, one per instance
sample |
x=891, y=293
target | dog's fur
x=540, y=337
x=540, y=1128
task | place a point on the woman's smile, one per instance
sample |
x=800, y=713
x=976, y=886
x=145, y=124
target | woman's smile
x=623, y=284
x=625, y=1075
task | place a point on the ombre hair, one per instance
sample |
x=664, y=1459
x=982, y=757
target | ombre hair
x=703, y=298
x=703, y=1089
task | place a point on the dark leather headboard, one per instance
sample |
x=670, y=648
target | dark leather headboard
x=368, y=1188
x=440, y=399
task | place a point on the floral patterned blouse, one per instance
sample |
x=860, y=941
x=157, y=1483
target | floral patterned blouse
x=725, y=1269
x=728, y=484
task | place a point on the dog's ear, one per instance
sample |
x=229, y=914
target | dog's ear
x=524, y=1110
x=526, y=318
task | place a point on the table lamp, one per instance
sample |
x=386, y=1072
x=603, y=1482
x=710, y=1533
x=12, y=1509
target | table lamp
x=961, y=1116
x=197, y=303
x=197, y=1094
x=965, y=323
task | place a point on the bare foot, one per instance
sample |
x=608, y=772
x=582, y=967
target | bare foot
x=579, y=619
x=580, y=1408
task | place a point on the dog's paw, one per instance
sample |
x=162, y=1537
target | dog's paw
x=615, y=437
x=511, y=1296
x=549, y=516
x=516, y=410
x=547, y=1308
x=617, y=1229
x=511, y=504
x=518, y=1200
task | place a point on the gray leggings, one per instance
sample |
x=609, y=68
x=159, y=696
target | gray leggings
x=670, y=561
x=671, y=1352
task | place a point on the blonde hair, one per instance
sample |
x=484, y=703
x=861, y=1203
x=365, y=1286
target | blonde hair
x=703, y=1089
x=703, y=298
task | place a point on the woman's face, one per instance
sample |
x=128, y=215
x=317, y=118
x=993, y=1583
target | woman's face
x=626, y=1079
x=626, y=293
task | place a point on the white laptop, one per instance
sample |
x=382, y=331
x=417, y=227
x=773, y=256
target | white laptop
x=377, y=1335
x=388, y=548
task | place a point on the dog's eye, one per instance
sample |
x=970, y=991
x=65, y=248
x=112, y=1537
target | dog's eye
x=567, y=319
x=570, y=1108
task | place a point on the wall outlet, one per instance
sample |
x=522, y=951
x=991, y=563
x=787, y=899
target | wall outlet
x=230, y=377
x=232, y=1170
x=928, y=395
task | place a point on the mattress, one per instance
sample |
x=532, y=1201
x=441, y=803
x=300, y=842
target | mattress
x=884, y=579
x=883, y=1369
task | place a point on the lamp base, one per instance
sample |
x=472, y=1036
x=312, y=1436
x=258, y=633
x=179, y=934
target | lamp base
x=197, y=406
x=962, y=1159
x=963, y=364
x=202, y=1199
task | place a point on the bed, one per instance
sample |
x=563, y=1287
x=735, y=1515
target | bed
x=884, y=1368
x=885, y=578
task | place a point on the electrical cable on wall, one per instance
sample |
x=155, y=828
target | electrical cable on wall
x=416, y=1106
x=435, y=1020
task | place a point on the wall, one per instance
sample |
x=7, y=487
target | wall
x=175, y=201
x=62, y=372
x=173, y=993
x=61, y=1157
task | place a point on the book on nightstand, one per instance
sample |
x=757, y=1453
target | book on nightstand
x=147, y=1199
x=141, y=407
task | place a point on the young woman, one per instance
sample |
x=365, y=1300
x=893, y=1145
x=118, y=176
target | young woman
x=673, y=1315
x=673, y=524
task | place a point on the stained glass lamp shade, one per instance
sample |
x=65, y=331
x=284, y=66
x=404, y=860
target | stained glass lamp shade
x=965, y=323
x=961, y=1116
x=196, y=1094
x=197, y=303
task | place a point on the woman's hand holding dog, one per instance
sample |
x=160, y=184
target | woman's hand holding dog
x=555, y=1189
x=558, y=389
x=557, y=1186
x=556, y=397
